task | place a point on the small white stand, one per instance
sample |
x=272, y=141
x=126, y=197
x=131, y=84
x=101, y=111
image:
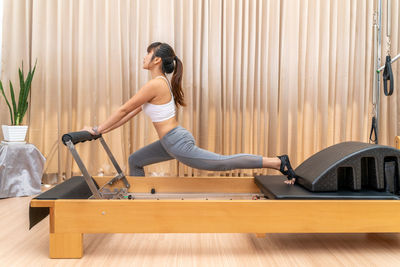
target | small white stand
x=21, y=169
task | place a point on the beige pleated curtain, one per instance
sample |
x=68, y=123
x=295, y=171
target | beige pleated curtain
x=261, y=77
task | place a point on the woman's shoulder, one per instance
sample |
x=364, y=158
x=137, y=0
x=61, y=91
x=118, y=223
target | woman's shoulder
x=157, y=83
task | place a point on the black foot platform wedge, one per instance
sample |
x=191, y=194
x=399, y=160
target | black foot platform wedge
x=349, y=170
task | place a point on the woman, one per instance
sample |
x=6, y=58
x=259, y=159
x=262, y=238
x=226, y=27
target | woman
x=159, y=99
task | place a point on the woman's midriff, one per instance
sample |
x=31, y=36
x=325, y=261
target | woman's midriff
x=164, y=127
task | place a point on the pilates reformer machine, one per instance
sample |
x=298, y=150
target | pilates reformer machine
x=350, y=187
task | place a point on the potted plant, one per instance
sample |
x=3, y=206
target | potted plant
x=16, y=132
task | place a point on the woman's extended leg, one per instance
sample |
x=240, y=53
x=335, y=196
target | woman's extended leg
x=181, y=144
x=147, y=155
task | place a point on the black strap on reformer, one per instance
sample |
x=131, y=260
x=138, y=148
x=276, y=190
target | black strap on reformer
x=373, y=131
x=388, y=76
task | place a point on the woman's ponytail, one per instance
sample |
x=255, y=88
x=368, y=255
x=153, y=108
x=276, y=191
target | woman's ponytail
x=176, y=82
x=167, y=55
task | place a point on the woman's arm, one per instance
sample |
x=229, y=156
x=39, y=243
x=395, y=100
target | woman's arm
x=124, y=120
x=145, y=94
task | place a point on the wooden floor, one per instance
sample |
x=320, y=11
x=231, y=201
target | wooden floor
x=20, y=247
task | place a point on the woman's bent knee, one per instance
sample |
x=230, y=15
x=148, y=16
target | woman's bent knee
x=135, y=168
x=133, y=160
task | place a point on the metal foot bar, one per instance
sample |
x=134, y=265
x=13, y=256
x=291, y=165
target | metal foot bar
x=70, y=139
x=116, y=166
x=83, y=169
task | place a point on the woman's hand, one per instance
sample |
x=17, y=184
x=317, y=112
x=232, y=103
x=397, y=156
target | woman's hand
x=89, y=129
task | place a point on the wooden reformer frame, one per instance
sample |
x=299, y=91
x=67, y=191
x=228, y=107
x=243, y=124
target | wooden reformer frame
x=71, y=218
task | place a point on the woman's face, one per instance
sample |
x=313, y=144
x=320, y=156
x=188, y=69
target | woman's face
x=147, y=60
x=149, y=64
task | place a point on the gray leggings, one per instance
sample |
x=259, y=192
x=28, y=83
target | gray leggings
x=179, y=144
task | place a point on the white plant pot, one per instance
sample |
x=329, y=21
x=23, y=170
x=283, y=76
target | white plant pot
x=14, y=133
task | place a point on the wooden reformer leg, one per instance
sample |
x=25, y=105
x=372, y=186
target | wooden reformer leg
x=66, y=245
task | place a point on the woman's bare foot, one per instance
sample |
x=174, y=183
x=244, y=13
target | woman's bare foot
x=292, y=181
x=275, y=163
x=272, y=163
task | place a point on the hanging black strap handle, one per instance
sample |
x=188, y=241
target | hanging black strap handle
x=388, y=76
x=373, y=131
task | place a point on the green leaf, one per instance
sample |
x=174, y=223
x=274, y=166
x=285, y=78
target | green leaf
x=22, y=114
x=22, y=68
x=13, y=102
x=17, y=120
x=22, y=89
x=24, y=110
x=8, y=104
x=28, y=84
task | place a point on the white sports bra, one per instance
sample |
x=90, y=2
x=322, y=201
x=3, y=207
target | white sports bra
x=161, y=112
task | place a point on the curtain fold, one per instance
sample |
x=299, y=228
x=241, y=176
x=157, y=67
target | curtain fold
x=260, y=76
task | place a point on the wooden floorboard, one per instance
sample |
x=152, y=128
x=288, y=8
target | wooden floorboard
x=21, y=247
